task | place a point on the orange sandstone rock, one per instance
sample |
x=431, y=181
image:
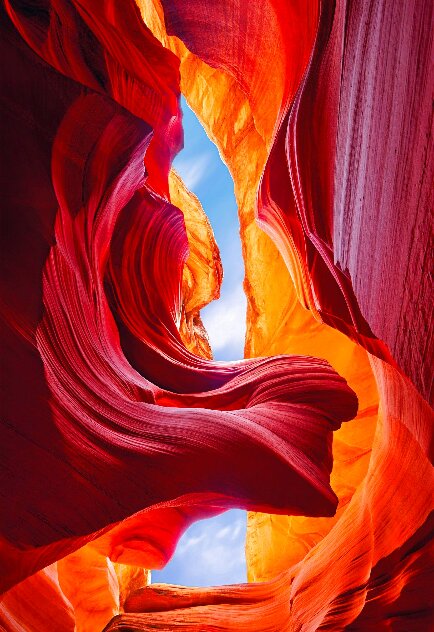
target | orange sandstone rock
x=37, y=604
x=347, y=568
x=260, y=76
x=276, y=321
x=202, y=274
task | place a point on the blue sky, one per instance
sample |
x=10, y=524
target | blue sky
x=211, y=552
x=200, y=166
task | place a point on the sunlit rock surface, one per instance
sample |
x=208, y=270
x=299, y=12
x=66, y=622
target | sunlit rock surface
x=118, y=434
x=202, y=273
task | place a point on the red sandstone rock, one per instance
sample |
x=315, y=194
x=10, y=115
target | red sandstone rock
x=123, y=436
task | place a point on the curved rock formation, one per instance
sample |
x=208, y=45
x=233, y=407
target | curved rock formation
x=119, y=417
x=126, y=434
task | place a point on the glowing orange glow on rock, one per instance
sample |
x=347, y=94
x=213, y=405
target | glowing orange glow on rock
x=120, y=429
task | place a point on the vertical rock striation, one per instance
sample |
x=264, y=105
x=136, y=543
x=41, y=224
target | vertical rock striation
x=119, y=430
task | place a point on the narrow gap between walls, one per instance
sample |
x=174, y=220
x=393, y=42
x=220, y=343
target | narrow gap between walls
x=200, y=166
x=211, y=552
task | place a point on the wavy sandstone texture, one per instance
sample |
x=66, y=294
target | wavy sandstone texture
x=119, y=429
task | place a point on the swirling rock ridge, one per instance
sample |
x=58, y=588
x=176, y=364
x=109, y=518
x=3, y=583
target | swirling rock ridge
x=118, y=433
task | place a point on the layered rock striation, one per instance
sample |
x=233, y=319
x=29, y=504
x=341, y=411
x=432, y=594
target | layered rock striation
x=119, y=428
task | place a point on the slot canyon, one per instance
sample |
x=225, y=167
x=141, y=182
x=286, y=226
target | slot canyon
x=120, y=429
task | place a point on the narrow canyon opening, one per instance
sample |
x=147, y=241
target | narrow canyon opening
x=205, y=174
x=211, y=552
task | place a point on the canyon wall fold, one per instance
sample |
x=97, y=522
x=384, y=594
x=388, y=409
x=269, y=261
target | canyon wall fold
x=118, y=428
x=116, y=436
x=276, y=321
